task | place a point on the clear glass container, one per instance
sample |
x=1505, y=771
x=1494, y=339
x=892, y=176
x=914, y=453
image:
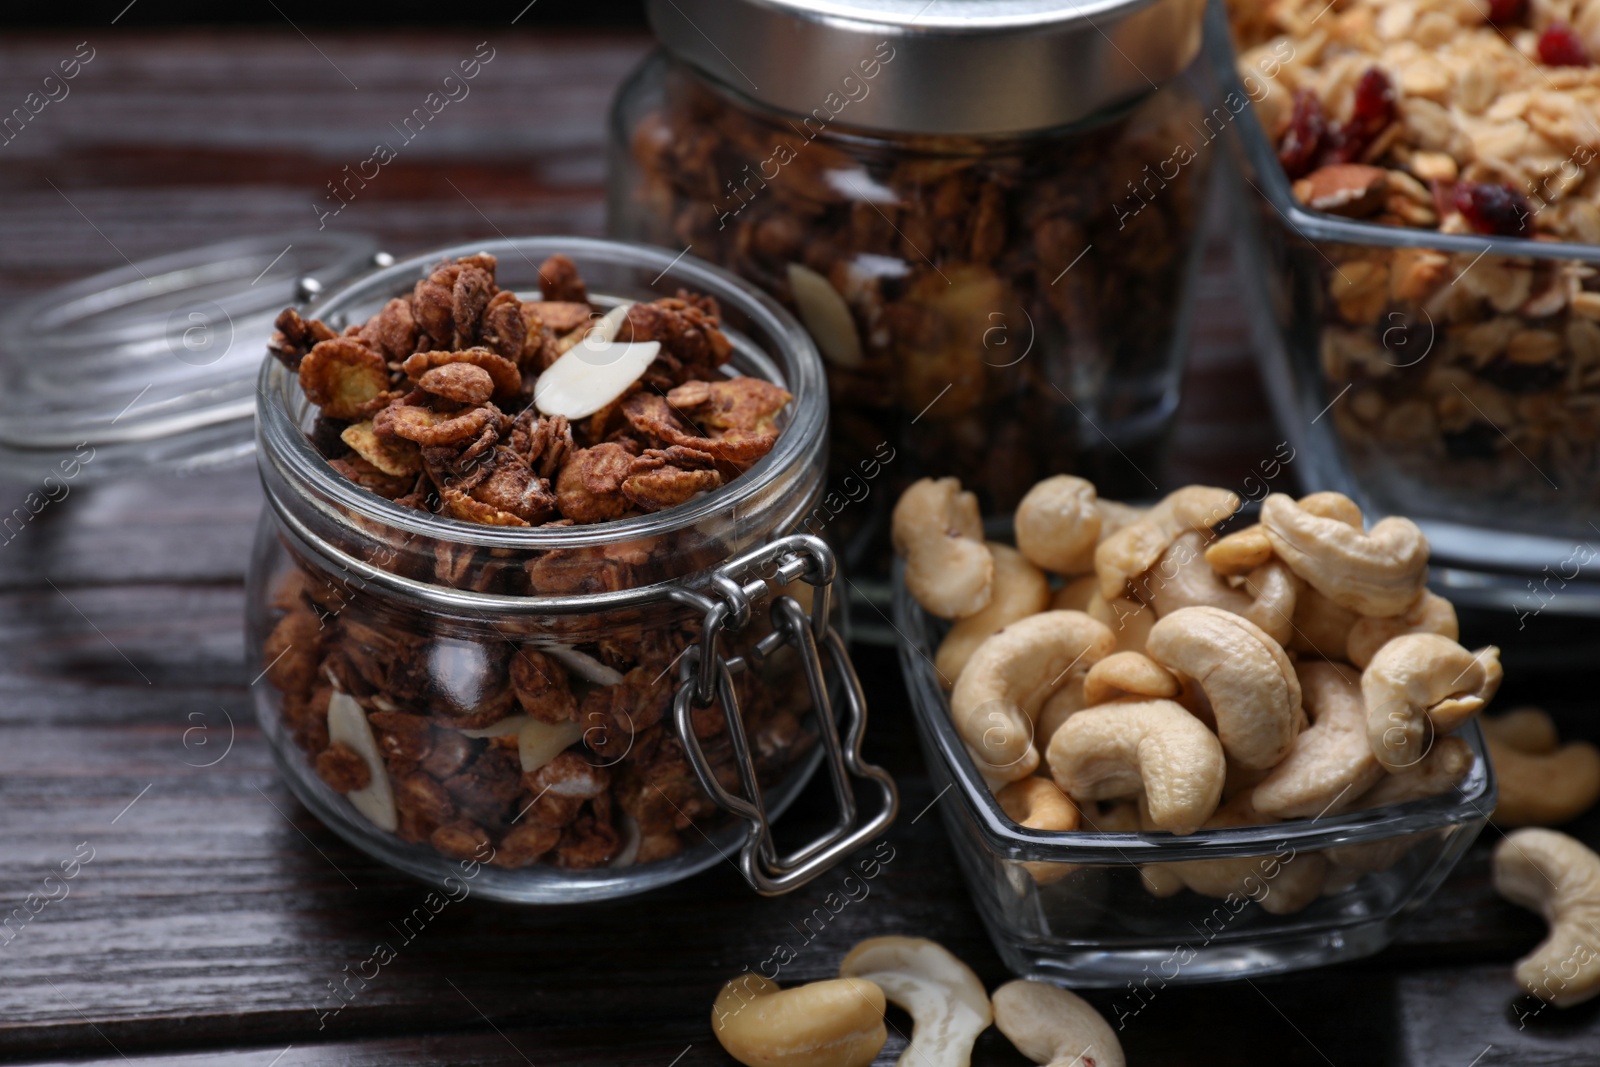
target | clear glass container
x=1443, y=376
x=999, y=307
x=568, y=710
x=1073, y=908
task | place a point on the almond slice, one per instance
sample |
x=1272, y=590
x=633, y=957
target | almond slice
x=509, y=725
x=604, y=331
x=540, y=742
x=826, y=316
x=348, y=723
x=590, y=375
x=628, y=853
x=582, y=664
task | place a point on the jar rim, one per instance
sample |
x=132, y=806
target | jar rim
x=281, y=439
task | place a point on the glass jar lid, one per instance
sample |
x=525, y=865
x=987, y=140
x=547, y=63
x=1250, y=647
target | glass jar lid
x=153, y=365
x=934, y=66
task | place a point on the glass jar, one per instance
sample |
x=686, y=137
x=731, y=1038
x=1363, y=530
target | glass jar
x=1119, y=907
x=1449, y=377
x=996, y=267
x=568, y=710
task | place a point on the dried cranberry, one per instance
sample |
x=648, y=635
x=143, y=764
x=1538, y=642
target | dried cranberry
x=1302, y=141
x=1559, y=46
x=1503, y=11
x=1522, y=378
x=1373, y=112
x=1492, y=208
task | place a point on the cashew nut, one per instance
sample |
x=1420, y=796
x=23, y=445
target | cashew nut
x=996, y=701
x=1135, y=548
x=1052, y=1026
x=1020, y=590
x=1128, y=619
x=1063, y=704
x=1245, y=675
x=1376, y=573
x=937, y=529
x=1058, y=525
x=1331, y=764
x=1281, y=884
x=1123, y=816
x=1039, y=805
x=946, y=1002
x=1321, y=627
x=1154, y=746
x=1241, y=551
x=1556, y=876
x=1422, y=685
x=1076, y=594
x=1540, y=784
x=836, y=1023
x=1124, y=674
x=1524, y=729
x=1114, y=515
x=1337, y=506
x=1182, y=578
x=1431, y=614
x=1440, y=771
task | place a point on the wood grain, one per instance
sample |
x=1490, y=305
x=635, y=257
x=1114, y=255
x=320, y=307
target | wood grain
x=215, y=911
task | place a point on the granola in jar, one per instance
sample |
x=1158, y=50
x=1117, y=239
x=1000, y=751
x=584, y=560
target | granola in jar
x=1459, y=376
x=1003, y=306
x=532, y=739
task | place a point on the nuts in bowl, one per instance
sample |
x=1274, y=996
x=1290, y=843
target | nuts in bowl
x=1189, y=705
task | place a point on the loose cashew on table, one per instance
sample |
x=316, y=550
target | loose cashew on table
x=1542, y=782
x=836, y=1023
x=1292, y=669
x=1558, y=877
x=947, y=1004
x=840, y=1022
x=1055, y=1027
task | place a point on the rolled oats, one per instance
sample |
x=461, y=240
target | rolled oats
x=1462, y=369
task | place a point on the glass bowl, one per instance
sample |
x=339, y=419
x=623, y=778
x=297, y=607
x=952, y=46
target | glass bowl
x=1393, y=358
x=1072, y=908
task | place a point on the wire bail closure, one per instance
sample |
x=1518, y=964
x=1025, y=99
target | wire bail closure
x=705, y=675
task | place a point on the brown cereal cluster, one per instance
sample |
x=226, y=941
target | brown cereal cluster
x=429, y=402
x=626, y=774
x=1456, y=372
x=950, y=253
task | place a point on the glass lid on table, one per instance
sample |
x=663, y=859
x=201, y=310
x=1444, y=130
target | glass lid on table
x=153, y=365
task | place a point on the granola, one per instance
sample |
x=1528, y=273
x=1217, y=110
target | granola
x=1001, y=294
x=547, y=745
x=1461, y=377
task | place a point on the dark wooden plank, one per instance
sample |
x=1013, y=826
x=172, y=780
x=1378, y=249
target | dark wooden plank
x=172, y=140
x=196, y=528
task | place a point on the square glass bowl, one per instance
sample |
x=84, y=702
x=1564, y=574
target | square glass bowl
x=1073, y=908
x=1452, y=378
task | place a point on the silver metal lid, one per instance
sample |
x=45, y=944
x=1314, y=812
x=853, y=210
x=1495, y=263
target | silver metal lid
x=935, y=66
x=153, y=365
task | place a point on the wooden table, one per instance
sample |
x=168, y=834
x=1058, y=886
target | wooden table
x=215, y=911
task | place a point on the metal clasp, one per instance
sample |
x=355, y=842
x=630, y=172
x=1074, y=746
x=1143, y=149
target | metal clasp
x=706, y=675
